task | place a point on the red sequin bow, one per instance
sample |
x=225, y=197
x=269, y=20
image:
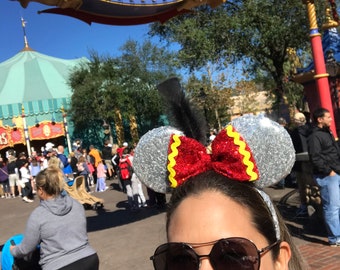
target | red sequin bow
x=231, y=157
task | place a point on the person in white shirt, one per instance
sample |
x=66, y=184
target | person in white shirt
x=26, y=178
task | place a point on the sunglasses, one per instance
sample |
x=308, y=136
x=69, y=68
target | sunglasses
x=230, y=253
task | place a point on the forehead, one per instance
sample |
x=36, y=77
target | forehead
x=210, y=216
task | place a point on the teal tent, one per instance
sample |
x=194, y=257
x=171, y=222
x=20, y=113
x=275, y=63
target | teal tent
x=35, y=84
x=36, y=81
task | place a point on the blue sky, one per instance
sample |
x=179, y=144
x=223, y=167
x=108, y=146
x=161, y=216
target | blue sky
x=66, y=37
x=59, y=36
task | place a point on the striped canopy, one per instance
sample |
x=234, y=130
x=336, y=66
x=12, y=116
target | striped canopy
x=35, y=82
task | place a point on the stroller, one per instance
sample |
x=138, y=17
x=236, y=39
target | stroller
x=78, y=192
x=8, y=262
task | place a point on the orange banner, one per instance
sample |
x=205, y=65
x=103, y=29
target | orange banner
x=46, y=130
x=11, y=136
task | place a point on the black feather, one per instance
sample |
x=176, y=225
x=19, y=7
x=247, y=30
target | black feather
x=182, y=115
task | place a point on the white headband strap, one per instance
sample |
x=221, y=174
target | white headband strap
x=272, y=211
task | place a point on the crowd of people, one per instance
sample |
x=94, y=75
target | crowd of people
x=17, y=175
x=18, y=172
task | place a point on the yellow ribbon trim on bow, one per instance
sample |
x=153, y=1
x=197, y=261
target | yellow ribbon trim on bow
x=242, y=150
x=172, y=162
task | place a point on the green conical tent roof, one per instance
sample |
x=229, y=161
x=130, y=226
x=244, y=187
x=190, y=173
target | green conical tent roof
x=35, y=81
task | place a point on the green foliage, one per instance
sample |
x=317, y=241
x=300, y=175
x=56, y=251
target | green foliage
x=127, y=84
x=257, y=32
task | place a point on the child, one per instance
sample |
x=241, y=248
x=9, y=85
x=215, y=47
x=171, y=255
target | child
x=83, y=170
x=34, y=168
x=26, y=178
x=101, y=175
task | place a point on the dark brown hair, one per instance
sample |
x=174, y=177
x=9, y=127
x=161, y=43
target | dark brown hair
x=319, y=112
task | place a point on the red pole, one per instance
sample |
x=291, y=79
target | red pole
x=321, y=75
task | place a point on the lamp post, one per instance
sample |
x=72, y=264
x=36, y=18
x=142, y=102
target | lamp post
x=66, y=129
x=27, y=138
x=321, y=75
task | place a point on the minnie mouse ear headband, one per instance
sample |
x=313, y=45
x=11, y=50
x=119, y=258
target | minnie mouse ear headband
x=250, y=148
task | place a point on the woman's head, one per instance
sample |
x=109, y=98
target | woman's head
x=51, y=181
x=210, y=207
x=54, y=162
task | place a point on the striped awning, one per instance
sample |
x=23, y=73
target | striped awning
x=36, y=82
x=33, y=108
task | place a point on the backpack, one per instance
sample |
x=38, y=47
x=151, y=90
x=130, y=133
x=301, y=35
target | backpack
x=125, y=169
x=92, y=160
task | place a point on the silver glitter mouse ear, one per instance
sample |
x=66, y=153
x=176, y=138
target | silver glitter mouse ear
x=270, y=145
x=151, y=158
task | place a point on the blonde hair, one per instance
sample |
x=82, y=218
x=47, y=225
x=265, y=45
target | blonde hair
x=54, y=162
x=300, y=118
x=51, y=180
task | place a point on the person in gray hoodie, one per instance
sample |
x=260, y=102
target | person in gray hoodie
x=58, y=225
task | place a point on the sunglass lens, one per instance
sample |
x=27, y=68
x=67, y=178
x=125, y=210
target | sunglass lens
x=175, y=256
x=234, y=254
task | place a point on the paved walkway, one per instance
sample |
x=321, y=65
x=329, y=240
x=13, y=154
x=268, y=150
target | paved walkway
x=309, y=233
x=125, y=240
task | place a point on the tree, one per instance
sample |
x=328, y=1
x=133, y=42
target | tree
x=142, y=67
x=88, y=100
x=256, y=32
x=119, y=92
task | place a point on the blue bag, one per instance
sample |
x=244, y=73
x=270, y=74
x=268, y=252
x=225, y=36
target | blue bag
x=8, y=262
x=7, y=258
